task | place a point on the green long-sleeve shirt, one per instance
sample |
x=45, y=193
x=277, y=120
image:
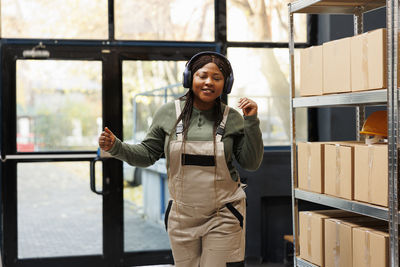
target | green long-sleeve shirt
x=242, y=138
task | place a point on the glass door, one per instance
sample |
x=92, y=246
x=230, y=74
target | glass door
x=146, y=86
x=58, y=110
x=52, y=115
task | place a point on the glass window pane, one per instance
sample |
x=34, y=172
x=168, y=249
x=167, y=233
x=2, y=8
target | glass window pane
x=173, y=20
x=59, y=105
x=262, y=21
x=146, y=86
x=54, y=19
x=58, y=215
x=263, y=75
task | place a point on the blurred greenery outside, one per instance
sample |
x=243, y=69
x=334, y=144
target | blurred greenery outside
x=146, y=77
x=59, y=104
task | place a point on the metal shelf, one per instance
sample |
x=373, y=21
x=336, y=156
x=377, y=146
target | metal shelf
x=374, y=97
x=304, y=263
x=353, y=206
x=335, y=6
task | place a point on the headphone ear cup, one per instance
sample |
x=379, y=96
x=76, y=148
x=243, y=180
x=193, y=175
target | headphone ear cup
x=187, y=78
x=228, y=84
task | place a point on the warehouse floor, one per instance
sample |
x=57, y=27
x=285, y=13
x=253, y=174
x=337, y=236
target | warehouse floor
x=247, y=265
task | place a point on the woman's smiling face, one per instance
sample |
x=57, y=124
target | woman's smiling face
x=208, y=84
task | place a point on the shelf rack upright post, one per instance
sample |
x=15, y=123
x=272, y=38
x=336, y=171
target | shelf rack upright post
x=359, y=100
x=358, y=29
x=392, y=10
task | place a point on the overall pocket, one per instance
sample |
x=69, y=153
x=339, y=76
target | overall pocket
x=236, y=213
x=167, y=214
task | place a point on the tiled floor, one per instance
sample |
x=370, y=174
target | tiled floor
x=59, y=216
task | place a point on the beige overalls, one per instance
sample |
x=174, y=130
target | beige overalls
x=205, y=218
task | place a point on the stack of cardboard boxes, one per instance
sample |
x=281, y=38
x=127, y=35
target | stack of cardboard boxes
x=348, y=170
x=340, y=238
x=312, y=233
x=346, y=65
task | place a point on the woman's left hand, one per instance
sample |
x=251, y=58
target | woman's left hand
x=248, y=106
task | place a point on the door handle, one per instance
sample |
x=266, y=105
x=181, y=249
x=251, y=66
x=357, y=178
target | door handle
x=93, y=176
x=101, y=156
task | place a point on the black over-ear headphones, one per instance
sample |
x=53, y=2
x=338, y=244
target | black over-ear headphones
x=187, y=74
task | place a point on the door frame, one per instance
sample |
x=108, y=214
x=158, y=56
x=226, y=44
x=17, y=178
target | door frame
x=10, y=53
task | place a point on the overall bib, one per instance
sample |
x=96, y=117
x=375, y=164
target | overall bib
x=205, y=218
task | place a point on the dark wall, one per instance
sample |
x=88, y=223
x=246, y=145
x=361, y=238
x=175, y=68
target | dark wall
x=268, y=206
x=332, y=27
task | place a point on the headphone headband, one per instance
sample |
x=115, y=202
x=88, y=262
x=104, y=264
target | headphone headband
x=187, y=74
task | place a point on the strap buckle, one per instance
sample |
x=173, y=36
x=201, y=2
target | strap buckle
x=179, y=128
x=220, y=131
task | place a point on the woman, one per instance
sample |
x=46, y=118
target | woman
x=200, y=135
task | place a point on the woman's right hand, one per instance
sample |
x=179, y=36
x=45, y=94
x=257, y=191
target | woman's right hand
x=106, y=139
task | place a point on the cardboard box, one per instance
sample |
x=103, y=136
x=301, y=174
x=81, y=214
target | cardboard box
x=310, y=159
x=336, y=66
x=339, y=170
x=311, y=81
x=312, y=232
x=371, y=174
x=368, y=61
x=370, y=247
x=339, y=239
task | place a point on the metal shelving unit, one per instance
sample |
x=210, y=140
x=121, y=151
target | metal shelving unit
x=389, y=97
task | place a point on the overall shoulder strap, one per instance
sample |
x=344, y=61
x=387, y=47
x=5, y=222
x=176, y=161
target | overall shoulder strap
x=221, y=127
x=179, y=126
